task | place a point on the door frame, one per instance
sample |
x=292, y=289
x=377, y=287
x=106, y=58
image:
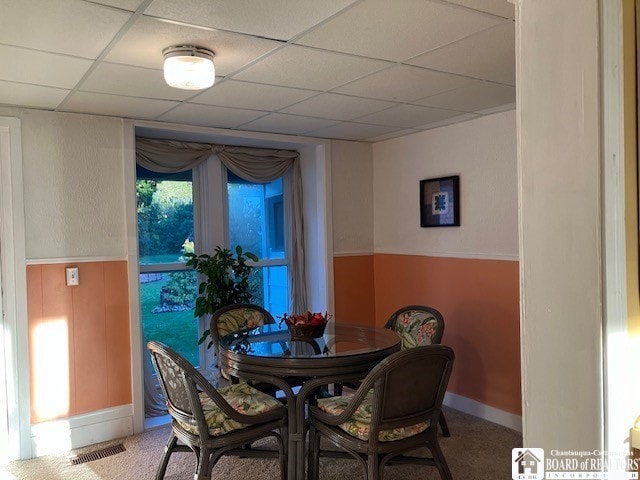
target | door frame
x=14, y=347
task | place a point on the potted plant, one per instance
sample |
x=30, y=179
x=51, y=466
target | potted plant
x=225, y=281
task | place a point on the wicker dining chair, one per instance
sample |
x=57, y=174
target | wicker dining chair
x=233, y=318
x=419, y=325
x=395, y=410
x=214, y=422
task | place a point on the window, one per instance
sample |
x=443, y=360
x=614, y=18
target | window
x=165, y=232
x=256, y=223
x=167, y=207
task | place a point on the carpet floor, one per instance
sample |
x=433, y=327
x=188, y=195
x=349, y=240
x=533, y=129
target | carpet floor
x=476, y=450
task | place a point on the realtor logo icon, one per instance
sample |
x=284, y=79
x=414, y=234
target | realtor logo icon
x=527, y=464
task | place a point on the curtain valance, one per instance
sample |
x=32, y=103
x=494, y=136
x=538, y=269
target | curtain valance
x=253, y=164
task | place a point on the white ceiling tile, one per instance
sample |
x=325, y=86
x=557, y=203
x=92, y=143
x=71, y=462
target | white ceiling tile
x=143, y=43
x=132, y=81
x=352, y=131
x=337, y=107
x=31, y=95
x=500, y=108
x=309, y=68
x=289, y=124
x=503, y=8
x=274, y=19
x=472, y=98
x=48, y=69
x=403, y=83
x=209, y=116
x=407, y=116
x=449, y=121
x=72, y=27
x=230, y=93
x=131, y=5
x=117, y=106
x=387, y=136
x=410, y=28
x=489, y=55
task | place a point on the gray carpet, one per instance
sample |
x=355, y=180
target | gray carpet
x=476, y=450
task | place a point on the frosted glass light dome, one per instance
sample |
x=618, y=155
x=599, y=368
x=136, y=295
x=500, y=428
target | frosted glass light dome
x=188, y=67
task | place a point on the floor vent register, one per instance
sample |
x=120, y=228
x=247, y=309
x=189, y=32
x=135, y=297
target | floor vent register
x=97, y=454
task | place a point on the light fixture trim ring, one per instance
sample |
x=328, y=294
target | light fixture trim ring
x=188, y=50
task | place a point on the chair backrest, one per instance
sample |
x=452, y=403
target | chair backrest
x=417, y=325
x=408, y=387
x=183, y=387
x=236, y=317
x=180, y=382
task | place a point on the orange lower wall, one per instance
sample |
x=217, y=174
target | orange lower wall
x=353, y=289
x=79, y=345
x=479, y=300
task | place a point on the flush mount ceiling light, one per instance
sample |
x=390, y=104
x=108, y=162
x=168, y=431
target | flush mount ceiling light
x=189, y=67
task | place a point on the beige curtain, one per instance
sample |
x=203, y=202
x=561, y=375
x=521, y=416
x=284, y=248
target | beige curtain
x=258, y=165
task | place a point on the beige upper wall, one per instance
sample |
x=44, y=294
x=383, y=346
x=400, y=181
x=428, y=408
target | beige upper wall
x=74, y=202
x=73, y=185
x=483, y=153
x=352, y=197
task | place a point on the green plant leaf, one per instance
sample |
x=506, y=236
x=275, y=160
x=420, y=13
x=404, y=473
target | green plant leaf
x=226, y=280
x=203, y=338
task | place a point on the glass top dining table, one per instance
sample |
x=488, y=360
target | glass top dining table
x=269, y=354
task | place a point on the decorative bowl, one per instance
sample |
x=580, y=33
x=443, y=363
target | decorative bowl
x=306, y=325
x=303, y=331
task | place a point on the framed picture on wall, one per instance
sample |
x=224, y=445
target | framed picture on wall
x=440, y=202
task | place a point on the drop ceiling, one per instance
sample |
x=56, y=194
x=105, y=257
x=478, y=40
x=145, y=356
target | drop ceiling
x=363, y=70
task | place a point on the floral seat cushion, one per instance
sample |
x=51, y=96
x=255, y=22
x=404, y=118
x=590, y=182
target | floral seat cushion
x=359, y=424
x=243, y=398
x=416, y=328
x=239, y=319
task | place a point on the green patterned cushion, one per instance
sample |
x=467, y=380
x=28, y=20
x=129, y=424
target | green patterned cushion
x=239, y=319
x=243, y=398
x=416, y=328
x=360, y=423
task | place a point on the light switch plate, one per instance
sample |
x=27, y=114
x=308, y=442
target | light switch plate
x=72, y=276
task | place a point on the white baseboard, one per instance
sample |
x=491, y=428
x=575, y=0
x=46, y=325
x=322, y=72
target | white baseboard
x=59, y=436
x=480, y=410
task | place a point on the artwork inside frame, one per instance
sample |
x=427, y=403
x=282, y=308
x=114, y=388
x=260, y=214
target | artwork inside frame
x=440, y=202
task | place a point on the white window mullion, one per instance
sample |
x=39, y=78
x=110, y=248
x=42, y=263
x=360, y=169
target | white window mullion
x=210, y=225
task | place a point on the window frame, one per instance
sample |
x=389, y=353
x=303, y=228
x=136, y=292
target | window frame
x=211, y=228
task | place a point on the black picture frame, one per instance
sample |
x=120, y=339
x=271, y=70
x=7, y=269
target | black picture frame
x=440, y=202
